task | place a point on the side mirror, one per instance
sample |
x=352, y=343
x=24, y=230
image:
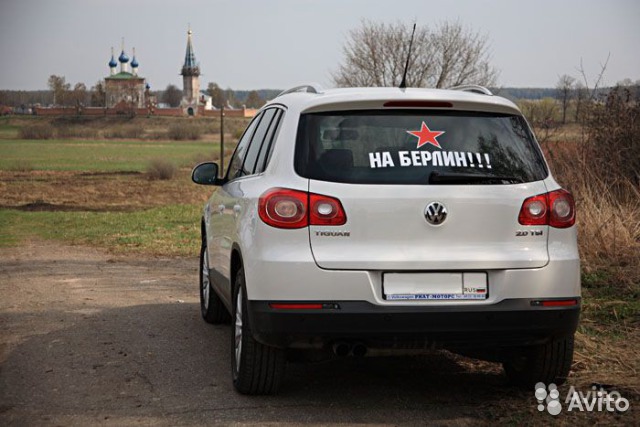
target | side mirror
x=206, y=174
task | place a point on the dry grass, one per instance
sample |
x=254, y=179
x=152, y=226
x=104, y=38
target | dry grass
x=183, y=131
x=608, y=216
x=98, y=191
x=37, y=131
x=598, y=163
x=127, y=131
x=161, y=169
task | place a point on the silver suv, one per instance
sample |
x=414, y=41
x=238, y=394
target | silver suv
x=358, y=220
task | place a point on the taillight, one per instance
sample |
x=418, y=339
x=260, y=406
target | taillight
x=563, y=209
x=556, y=209
x=285, y=208
x=326, y=210
x=534, y=211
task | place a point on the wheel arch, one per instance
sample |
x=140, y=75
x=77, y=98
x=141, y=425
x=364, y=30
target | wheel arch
x=236, y=264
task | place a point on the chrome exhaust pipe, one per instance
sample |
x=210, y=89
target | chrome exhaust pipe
x=341, y=349
x=359, y=349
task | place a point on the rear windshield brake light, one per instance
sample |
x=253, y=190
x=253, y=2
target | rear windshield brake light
x=418, y=104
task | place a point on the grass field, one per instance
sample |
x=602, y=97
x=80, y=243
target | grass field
x=169, y=230
x=97, y=192
x=101, y=155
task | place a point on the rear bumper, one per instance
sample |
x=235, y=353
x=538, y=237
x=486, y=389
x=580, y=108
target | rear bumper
x=510, y=322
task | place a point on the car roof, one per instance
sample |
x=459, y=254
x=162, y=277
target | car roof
x=314, y=100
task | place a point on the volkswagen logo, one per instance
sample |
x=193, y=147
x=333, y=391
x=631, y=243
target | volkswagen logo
x=435, y=213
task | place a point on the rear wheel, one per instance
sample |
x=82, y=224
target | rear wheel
x=256, y=368
x=211, y=306
x=547, y=363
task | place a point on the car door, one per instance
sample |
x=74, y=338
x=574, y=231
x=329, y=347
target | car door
x=221, y=217
x=231, y=201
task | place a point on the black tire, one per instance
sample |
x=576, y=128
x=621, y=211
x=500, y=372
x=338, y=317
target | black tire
x=546, y=363
x=211, y=306
x=259, y=369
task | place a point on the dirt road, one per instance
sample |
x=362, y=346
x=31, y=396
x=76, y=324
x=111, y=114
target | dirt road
x=88, y=338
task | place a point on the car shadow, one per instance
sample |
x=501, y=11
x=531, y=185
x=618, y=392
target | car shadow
x=162, y=364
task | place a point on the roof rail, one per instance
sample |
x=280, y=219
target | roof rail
x=473, y=88
x=309, y=88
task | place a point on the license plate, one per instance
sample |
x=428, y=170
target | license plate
x=435, y=286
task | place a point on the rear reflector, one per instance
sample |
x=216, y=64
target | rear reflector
x=295, y=306
x=555, y=303
x=418, y=104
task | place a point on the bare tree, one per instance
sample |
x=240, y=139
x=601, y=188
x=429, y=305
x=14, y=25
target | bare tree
x=593, y=91
x=98, y=96
x=254, y=100
x=541, y=113
x=59, y=87
x=581, y=95
x=564, y=93
x=79, y=95
x=447, y=55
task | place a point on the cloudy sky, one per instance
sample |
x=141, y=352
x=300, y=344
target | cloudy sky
x=256, y=44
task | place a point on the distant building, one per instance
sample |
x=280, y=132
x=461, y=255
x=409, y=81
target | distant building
x=125, y=89
x=190, y=80
x=127, y=93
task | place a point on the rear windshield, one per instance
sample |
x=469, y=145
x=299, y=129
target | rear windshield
x=417, y=147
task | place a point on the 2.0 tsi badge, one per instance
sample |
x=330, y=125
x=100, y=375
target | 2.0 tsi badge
x=435, y=213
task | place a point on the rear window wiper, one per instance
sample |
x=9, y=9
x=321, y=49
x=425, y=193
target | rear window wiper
x=436, y=177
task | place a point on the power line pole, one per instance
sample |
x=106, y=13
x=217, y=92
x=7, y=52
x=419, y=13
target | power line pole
x=222, y=142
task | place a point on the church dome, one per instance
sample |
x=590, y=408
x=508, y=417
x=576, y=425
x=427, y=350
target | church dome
x=113, y=63
x=134, y=62
x=123, y=58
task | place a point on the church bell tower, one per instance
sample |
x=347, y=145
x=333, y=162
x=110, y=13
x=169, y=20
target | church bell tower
x=190, y=74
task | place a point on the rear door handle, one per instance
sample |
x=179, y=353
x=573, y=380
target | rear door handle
x=221, y=208
x=237, y=209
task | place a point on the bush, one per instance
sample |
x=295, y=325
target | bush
x=184, y=131
x=39, y=131
x=602, y=170
x=76, y=132
x=160, y=169
x=612, y=131
x=124, y=132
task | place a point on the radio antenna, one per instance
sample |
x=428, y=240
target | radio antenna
x=403, y=83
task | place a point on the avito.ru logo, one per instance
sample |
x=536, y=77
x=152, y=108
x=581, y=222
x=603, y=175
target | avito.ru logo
x=595, y=400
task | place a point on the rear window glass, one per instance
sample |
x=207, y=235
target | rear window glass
x=413, y=147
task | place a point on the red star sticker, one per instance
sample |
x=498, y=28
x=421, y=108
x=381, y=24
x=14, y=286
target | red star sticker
x=426, y=136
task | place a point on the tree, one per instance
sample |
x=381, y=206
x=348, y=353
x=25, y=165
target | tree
x=98, y=94
x=230, y=96
x=79, y=94
x=581, y=94
x=172, y=96
x=253, y=100
x=447, y=55
x=564, y=93
x=541, y=113
x=218, y=98
x=59, y=87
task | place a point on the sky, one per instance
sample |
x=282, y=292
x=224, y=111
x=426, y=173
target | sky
x=276, y=44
